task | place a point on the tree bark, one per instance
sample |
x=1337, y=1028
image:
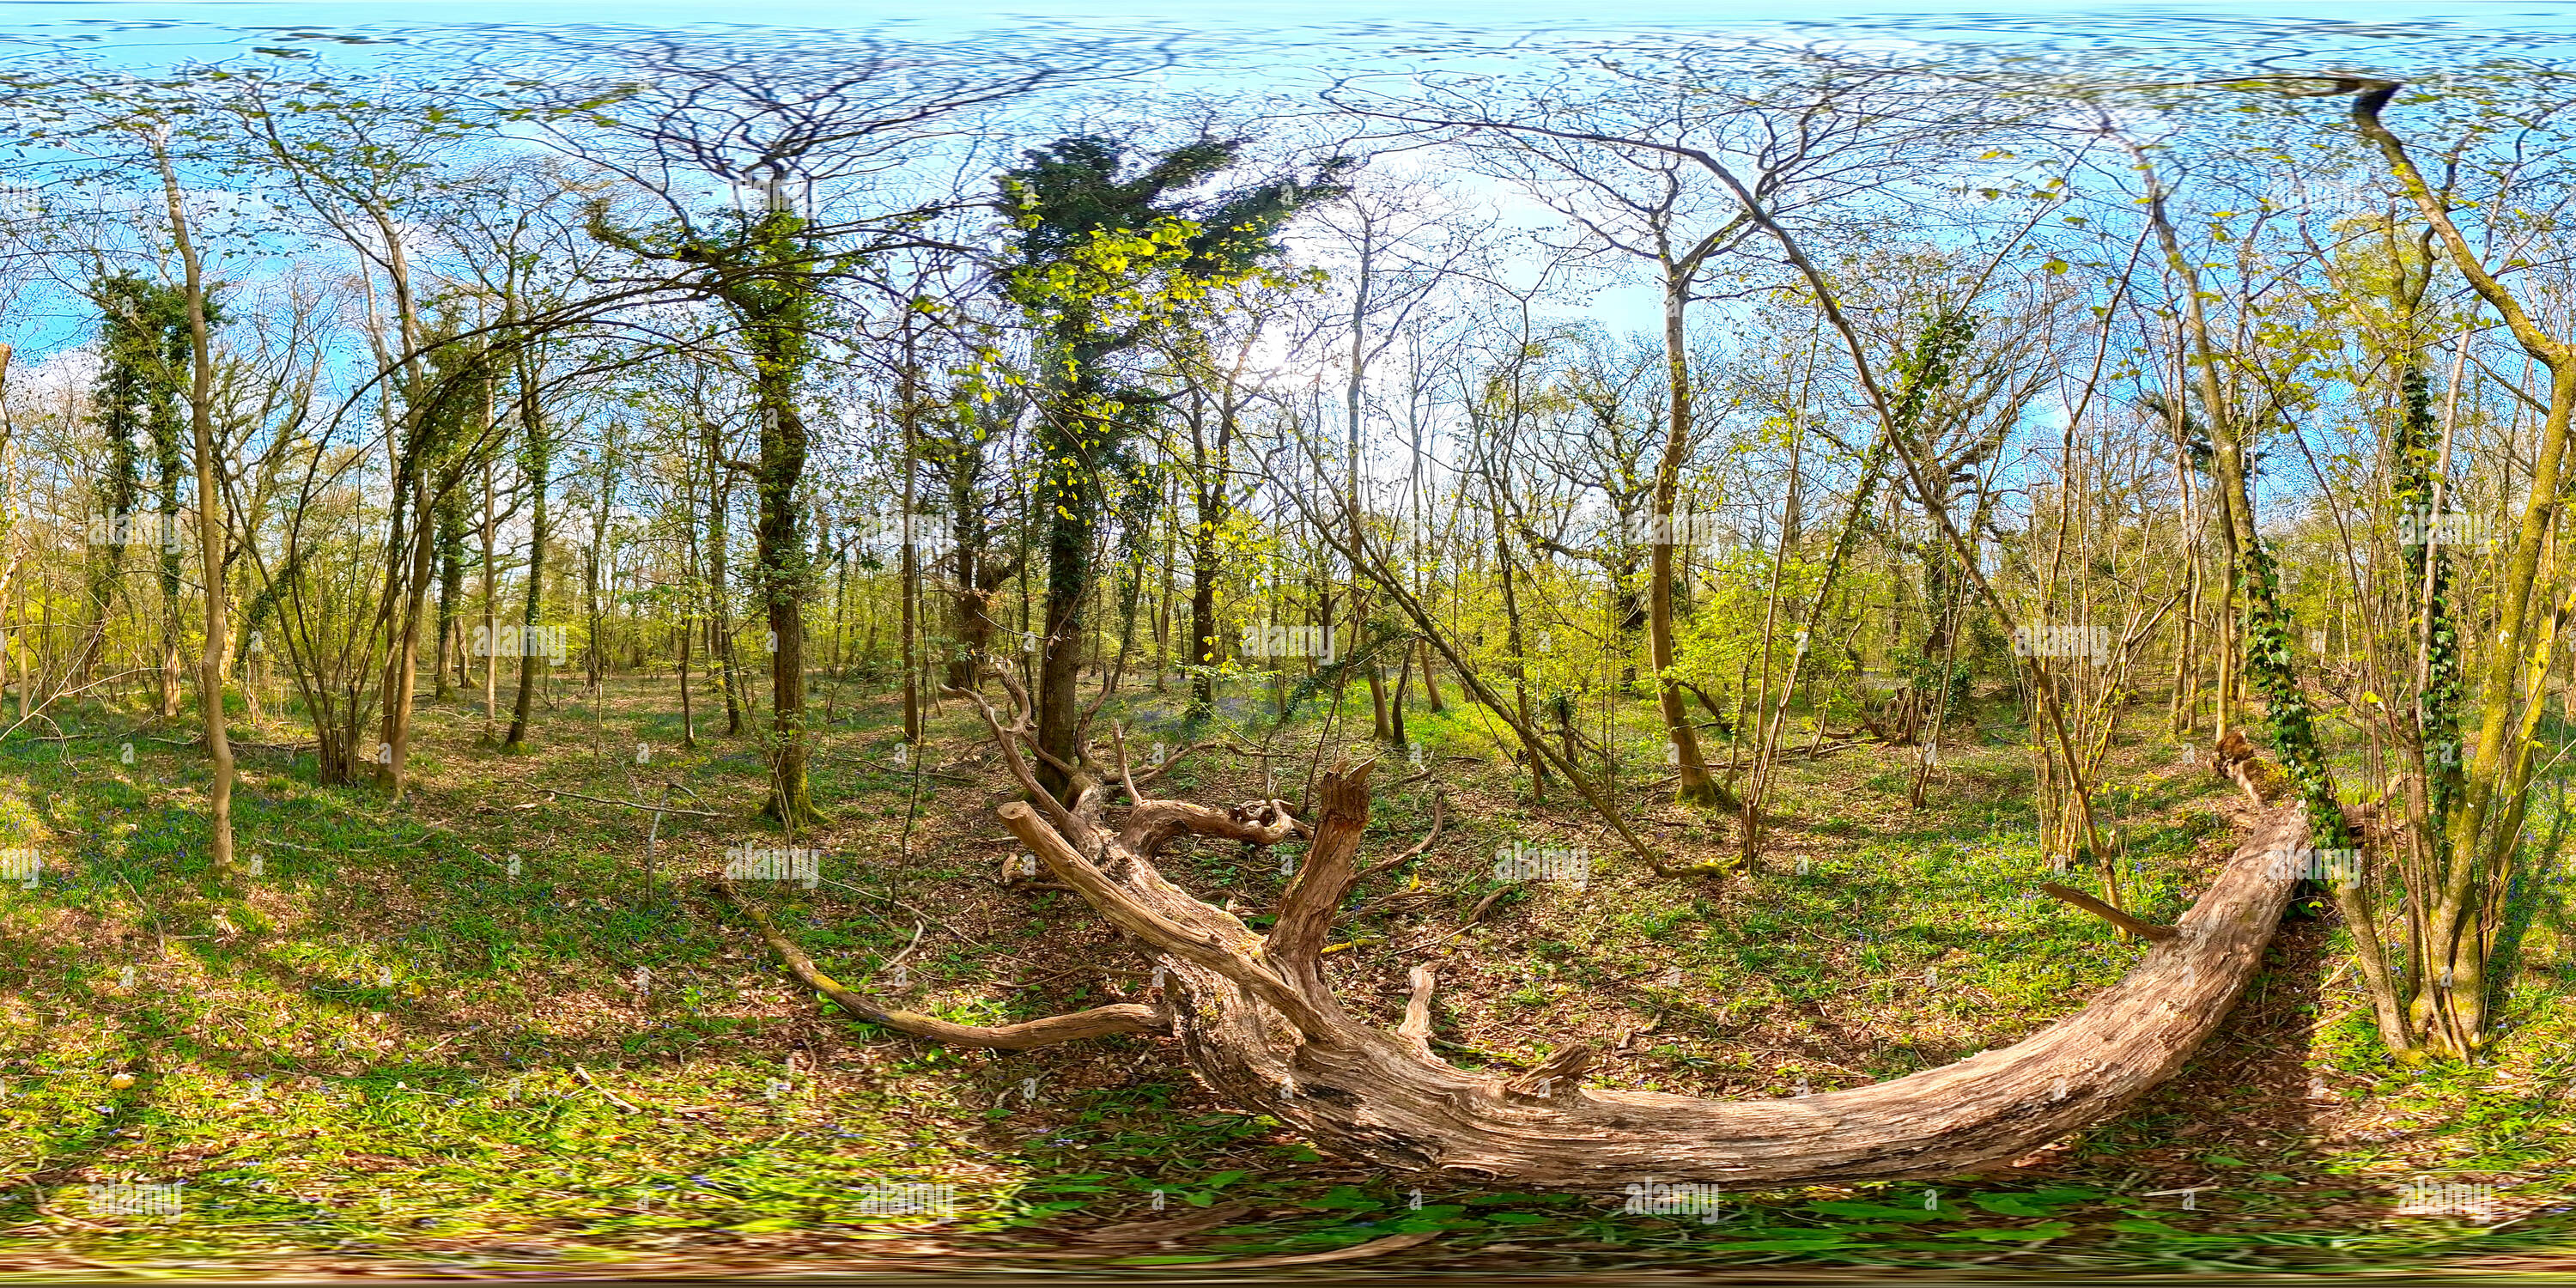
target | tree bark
x=210, y=528
x=537, y=462
x=1697, y=787
x=1257, y=1020
x=784, y=577
x=720, y=641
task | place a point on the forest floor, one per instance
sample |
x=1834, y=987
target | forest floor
x=490, y=1028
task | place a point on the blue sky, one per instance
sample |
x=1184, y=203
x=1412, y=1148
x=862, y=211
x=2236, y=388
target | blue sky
x=1272, y=42
x=201, y=23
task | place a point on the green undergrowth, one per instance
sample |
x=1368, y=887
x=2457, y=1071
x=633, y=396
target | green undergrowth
x=489, y=1024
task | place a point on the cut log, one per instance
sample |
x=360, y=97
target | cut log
x=1256, y=1018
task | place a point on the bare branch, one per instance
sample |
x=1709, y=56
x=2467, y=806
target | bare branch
x=2107, y=913
x=1206, y=947
x=1306, y=909
x=1019, y=766
x=1098, y=1021
x=1416, y=1028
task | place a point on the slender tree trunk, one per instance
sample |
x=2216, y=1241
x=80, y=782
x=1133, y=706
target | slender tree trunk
x=2266, y=652
x=451, y=580
x=908, y=400
x=719, y=587
x=210, y=528
x=1171, y=563
x=1210, y=519
x=1071, y=504
x=402, y=669
x=596, y=654
x=491, y=610
x=537, y=462
x=1697, y=787
x=785, y=574
x=165, y=539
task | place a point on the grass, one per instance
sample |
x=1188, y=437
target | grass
x=386, y=1046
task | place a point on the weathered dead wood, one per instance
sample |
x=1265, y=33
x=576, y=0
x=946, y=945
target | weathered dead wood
x=1099, y=1021
x=1554, y=1076
x=1306, y=908
x=1256, y=1018
x=1416, y=1028
x=1376, y=1096
x=2144, y=929
x=2236, y=758
x=1157, y=823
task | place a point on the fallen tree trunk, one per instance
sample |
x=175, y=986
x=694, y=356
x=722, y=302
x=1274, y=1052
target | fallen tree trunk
x=1256, y=1018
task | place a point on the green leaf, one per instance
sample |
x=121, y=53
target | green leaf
x=2016, y=1204
x=2147, y=1227
x=1799, y=1243
x=2010, y=1233
x=1344, y=1197
x=1879, y=1211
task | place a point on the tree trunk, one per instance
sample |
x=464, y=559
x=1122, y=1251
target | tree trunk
x=784, y=576
x=1070, y=505
x=595, y=571
x=165, y=538
x=491, y=609
x=2266, y=653
x=536, y=462
x=1697, y=786
x=2483, y=830
x=911, y=581
x=720, y=644
x=1209, y=485
x=210, y=530
x=451, y=581
x=402, y=669
x=1256, y=1017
